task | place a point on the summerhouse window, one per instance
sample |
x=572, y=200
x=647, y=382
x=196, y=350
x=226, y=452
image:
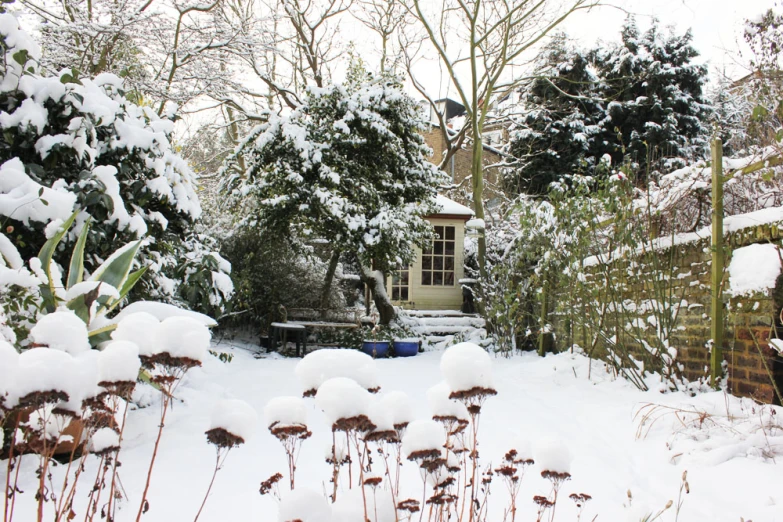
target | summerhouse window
x=400, y=285
x=437, y=260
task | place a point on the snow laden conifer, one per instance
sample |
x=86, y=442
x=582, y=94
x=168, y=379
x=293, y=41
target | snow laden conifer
x=656, y=99
x=83, y=145
x=348, y=165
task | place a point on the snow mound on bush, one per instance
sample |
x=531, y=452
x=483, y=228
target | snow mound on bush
x=236, y=417
x=343, y=398
x=119, y=362
x=466, y=366
x=162, y=311
x=321, y=365
x=141, y=329
x=43, y=370
x=443, y=407
x=184, y=337
x=63, y=331
x=423, y=435
x=400, y=407
x=286, y=411
x=304, y=505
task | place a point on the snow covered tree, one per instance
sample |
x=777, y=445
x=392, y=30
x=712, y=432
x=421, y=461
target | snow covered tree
x=71, y=144
x=348, y=166
x=656, y=103
x=557, y=135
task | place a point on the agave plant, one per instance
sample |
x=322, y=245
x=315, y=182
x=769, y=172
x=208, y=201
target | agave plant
x=92, y=299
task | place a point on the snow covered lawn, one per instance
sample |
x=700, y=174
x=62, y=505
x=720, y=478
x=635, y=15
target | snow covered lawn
x=732, y=467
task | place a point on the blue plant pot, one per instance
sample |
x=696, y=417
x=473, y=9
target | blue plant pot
x=406, y=348
x=376, y=348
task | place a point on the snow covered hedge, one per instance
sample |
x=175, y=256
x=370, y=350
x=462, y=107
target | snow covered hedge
x=72, y=144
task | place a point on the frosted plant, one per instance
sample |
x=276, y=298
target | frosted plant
x=286, y=418
x=321, y=365
x=554, y=460
x=348, y=409
x=233, y=423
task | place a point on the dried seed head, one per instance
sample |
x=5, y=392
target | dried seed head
x=268, y=484
x=223, y=438
x=410, y=505
x=669, y=504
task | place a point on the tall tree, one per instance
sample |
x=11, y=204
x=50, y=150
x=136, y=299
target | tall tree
x=557, y=134
x=349, y=165
x=656, y=99
x=486, y=37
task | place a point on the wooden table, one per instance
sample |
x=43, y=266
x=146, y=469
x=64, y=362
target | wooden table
x=280, y=331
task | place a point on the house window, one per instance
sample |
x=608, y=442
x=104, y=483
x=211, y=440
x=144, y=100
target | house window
x=437, y=260
x=401, y=285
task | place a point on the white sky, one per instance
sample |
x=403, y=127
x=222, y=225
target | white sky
x=717, y=27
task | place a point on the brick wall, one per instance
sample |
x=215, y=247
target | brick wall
x=461, y=164
x=749, y=321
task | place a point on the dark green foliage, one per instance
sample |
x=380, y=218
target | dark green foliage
x=638, y=102
x=269, y=272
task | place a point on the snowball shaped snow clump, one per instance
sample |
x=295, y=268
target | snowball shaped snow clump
x=119, y=362
x=41, y=370
x=285, y=411
x=443, y=407
x=104, y=440
x=304, y=505
x=62, y=331
x=400, y=408
x=319, y=366
x=184, y=337
x=552, y=455
x=423, y=437
x=177, y=336
x=236, y=417
x=466, y=366
x=141, y=329
x=342, y=398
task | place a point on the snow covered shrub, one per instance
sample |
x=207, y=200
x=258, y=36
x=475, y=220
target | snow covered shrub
x=286, y=418
x=349, y=165
x=374, y=437
x=83, y=144
x=269, y=273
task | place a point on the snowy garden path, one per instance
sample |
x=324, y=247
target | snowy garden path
x=537, y=398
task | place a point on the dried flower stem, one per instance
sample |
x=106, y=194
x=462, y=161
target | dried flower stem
x=166, y=399
x=218, y=464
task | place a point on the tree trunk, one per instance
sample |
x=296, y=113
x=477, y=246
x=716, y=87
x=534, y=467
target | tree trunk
x=477, y=179
x=375, y=282
x=327, y=288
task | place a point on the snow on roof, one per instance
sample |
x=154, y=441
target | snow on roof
x=451, y=207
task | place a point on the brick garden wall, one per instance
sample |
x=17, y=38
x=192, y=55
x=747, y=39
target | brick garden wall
x=749, y=320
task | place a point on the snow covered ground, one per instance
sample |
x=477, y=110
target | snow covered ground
x=734, y=468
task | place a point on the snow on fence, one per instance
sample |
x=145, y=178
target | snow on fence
x=752, y=307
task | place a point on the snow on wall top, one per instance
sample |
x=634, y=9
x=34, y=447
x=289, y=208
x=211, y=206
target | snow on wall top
x=451, y=207
x=754, y=268
x=731, y=224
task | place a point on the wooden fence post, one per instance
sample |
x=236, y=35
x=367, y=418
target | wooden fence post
x=716, y=310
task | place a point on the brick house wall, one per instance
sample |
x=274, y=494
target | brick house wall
x=459, y=167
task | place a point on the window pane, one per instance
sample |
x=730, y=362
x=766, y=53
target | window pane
x=427, y=249
x=426, y=262
x=404, y=294
x=450, y=233
x=439, y=232
x=438, y=263
x=395, y=294
x=448, y=263
x=395, y=278
x=438, y=247
x=449, y=278
x=404, y=278
x=426, y=278
x=449, y=248
x=437, y=278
